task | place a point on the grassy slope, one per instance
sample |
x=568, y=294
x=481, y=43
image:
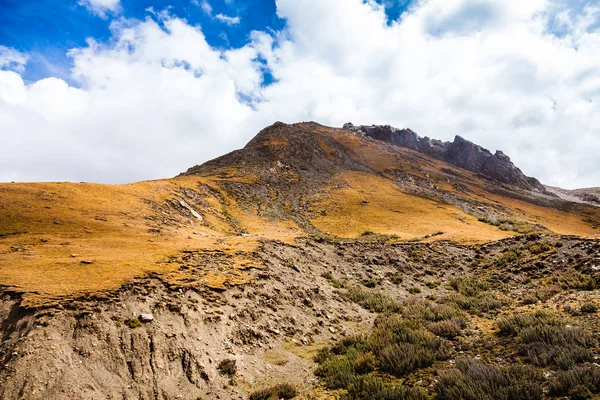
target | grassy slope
x=375, y=204
x=48, y=229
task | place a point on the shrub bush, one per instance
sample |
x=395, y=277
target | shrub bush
x=337, y=372
x=375, y=302
x=400, y=359
x=281, y=391
x=365, y=363
x=573, y=279
x=474, y=380
x=396, y=345
x=508, y=257
x=512, y=325
x=373, y=388
x=447, y=329
x=580, y=382
x=473, y=296
x=546, y=340
x=414, y=290
x=477, y=305
x=469, y=286
x=538, y=248
x=133, y=323
x=432, y=312
x=588, y=308
x=227, y=367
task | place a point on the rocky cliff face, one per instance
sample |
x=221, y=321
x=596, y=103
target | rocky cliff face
x=461, y=153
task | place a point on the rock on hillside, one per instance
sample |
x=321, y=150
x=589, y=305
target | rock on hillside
x=461, y=153
x=587, y=196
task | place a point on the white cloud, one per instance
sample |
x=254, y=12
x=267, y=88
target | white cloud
x=156, y=101
x=228, y=20
x=101, y=7
x=12, y=59
x=204, y=5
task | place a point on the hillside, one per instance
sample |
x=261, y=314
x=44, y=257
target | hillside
x=270, y=253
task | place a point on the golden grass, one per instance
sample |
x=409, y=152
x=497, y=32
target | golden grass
x=557, y=221
x=390, y=211
x=48, y=229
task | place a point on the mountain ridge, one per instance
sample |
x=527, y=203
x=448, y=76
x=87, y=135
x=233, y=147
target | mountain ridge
x=461, y=153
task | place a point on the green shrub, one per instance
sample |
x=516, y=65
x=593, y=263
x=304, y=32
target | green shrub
x=530, y=299
x=396, y=345
x=365, y=363
x=572, y=279
x=472, y=295
x=546, y=340
x=477, y=305
x=347, y=343
x=538, y=248
x=327, y=275
x=508, y=257
x=414, y=290
x=512, y=325
x=371, y=283
x=334, y=282
x=432, y=284
x=547, y=345
x=281, y=391
x=373, y=388
x=429, y=311
x=403, y=358
x=474, y=380
x=133, y=323
x=588, y=308
x=580, y=382
x=338, y=372
x=396, y=278
x=446, y=329
x=227, y=367
x=469, y=286
x=375, y=302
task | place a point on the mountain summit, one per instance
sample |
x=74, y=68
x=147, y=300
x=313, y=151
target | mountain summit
x=301, y=145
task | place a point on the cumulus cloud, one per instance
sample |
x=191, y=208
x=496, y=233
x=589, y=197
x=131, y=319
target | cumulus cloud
x=228, y=20
x=158, y=98
x=102, y=7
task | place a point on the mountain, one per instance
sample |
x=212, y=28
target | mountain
x=312, y=171
x=407, y=256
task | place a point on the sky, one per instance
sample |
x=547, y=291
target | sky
x=117, y=91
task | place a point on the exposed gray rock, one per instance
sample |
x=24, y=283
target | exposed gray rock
x=460, y=152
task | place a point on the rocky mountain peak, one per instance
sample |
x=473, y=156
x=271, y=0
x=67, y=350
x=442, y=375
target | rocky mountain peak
x=460, y=152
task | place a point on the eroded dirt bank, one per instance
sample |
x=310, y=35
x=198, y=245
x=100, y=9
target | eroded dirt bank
x=271, y=327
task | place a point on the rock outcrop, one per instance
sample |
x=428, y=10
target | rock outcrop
x=461, y=153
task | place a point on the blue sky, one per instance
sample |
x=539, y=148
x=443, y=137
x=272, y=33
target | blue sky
x=123, y=90
x=47, y=29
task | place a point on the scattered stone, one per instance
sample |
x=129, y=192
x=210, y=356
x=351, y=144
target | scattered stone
x=146, y=318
